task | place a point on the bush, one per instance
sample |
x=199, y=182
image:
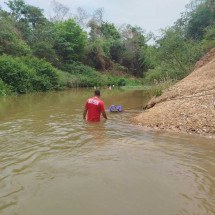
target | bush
x=16, y=74
x=172, y=58
x=133, y=82
x=66, y=79
x=97, y=55
x=28, y=74
x=4, y=89
x=165, y=72
x=10, y=40
x=209, y=38
x=83, y=75
x=47, y=76
x=78, y=68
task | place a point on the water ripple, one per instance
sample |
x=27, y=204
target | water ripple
x=113, y=162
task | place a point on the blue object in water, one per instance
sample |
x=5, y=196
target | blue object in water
x=115, y=108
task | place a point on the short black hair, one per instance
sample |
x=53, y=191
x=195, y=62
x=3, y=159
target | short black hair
x=97, y=92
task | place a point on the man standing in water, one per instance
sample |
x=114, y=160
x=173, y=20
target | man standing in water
x=94, y=107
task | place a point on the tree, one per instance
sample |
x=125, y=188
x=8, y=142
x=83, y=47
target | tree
x=133, y=41
x=104, y=45
x=33, y=16
x=199, y=15
x=109, y=31
x=97, y=55
x=11, y=41
x=200, y=19
x=97, y=16
x=27, y=17
x=17, y=8
x=174, y=55
x=82, y=17
x=113, y=38
x=70, y=41
x=95, y=24
x=60, y=11
x=23, y=12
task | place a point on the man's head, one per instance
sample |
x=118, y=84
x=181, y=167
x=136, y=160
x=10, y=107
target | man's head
x=97, y=93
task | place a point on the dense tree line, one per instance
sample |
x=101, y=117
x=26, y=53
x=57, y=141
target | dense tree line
x=175, y=52
x=63, y=41
x=49, y=53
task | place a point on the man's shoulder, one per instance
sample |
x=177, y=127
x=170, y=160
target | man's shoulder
x=101, y=102
x=93, y=100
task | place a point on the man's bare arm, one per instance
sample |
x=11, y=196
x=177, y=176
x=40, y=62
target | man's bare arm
x=104, y=114
x=84, y=114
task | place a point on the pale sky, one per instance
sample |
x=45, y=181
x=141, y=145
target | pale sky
x=150, y=15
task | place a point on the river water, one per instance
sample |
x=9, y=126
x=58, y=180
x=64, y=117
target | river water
x=53, y=163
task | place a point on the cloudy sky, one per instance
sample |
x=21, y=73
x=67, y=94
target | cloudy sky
x=151, y=15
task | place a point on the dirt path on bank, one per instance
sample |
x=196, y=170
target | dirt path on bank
x=188, y=106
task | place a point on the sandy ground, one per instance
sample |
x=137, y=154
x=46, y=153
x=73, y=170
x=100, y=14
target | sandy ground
x=188, y=106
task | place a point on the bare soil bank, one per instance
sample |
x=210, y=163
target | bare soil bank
x=188, y=106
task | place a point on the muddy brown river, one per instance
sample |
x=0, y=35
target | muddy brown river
x=53, y=163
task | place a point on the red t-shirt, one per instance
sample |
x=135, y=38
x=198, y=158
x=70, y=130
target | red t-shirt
x=94, y=107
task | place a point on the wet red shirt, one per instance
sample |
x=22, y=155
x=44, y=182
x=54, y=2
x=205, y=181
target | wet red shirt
x=94, y=107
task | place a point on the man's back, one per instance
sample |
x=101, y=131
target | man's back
x=94, y=107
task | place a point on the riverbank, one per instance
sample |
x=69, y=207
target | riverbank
x=189, y=105
x=28, y=74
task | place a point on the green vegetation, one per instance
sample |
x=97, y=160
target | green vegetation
x=4, y=89
x=40, y=54
x=85, y=76
x=28, y=74
x=158, y=88
x=174, y=54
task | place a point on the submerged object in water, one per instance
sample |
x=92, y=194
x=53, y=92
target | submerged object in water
x=115, y=108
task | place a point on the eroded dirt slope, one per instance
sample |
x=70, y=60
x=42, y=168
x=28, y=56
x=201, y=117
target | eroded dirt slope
x=189, y=105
